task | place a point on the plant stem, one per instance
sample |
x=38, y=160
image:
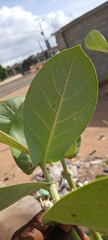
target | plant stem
x=96, y=235
x=68, y=175
x=53, y=187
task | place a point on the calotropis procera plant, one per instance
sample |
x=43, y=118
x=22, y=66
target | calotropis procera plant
x=44, y=127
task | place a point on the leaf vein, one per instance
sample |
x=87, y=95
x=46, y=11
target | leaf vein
x=57, y=114
x=46, y=99
x=78, y=111
x=79, y=90
x=64, y=132
x=39, y=117
x=34, y=134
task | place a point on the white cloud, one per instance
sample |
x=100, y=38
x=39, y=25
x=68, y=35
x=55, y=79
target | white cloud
x=19, y=33
x=58, y=19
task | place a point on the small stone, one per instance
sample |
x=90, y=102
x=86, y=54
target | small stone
x=74, y=170
x=63, y=183
x=37, y=195
x=87, y=159
x=56, y=171
x=6, y=179
x=63, y=192
x=79, y=184
x=77, y=165
x=39, y=179
x=98, y=161
x=92, y=152
x=105, y=170
x=101, y=137
x=47, y=205
x=1, y=184
x=86, y=182
x=39, y=176
x=87, y=165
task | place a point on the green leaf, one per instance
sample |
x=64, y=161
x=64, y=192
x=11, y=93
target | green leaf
x=74, y=149
x=16, y=131
x=96, y=41
x=59, y=105
x=7, y=111
x=8, y=140
x=87, y=206
x=11, y=194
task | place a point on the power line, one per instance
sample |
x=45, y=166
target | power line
x=14, y=45
x=33, y=32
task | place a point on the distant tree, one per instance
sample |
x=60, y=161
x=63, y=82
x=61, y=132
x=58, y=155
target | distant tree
x=3, y=73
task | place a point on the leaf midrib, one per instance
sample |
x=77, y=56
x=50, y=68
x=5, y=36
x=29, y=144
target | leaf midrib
x=56, y=115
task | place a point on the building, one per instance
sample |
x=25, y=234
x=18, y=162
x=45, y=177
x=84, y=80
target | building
x=75, y=32
x=32, y=63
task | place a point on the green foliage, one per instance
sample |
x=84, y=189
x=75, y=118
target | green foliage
x=6, y=139
x=7, y=111
x=74, y=149
x=59, y=105
x=96, y=41
x=57, y=109
x=86, y=206
x=46, y=126
x=11, y=194
x=12, y=134
x=3, y=73
x=22, y=159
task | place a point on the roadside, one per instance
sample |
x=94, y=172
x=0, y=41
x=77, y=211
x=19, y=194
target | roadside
x=10, y=85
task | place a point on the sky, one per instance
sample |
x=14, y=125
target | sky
x=20, y=33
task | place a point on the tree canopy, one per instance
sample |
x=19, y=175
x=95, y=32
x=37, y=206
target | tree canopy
x=3, y=73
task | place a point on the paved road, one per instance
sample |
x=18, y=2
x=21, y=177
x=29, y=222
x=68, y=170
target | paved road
x=15, y=84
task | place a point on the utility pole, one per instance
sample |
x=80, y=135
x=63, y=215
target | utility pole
x=42, y=32
x=40, y=45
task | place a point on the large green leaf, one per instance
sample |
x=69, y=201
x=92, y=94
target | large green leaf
x=59, y=105
x=11, y=194
x=7, y=111
x=96, y=41
x=87, y=206
x=8, y=140
x=16, y=131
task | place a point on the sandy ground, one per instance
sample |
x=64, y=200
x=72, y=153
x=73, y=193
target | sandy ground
x=95, y=138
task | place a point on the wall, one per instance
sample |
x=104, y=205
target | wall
x=75, y=32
